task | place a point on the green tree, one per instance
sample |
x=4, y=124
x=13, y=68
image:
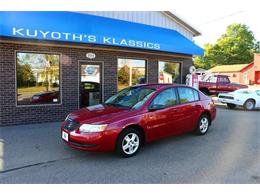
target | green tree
x=169, y=68
x=25, y=77
x=257, y=47
x=236, y=46
x=51, y=69
x=123, y=74
x=173, y=69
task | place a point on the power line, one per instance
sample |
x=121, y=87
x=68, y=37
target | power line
x=221, y=18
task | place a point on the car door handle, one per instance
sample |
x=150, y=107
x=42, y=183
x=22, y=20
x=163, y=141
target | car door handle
x=151, y=116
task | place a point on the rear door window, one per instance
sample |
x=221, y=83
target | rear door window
x=196, y=95
x=187, y=95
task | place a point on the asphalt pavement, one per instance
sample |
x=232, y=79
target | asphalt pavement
x=228, y=153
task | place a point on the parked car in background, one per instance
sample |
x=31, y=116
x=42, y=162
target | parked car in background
x=46, y=97
x=138, y=115
x=215, y=84
x=248, y=98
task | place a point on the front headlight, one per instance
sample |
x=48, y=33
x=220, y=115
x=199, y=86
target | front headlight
x=88, y=128
x=35, y=97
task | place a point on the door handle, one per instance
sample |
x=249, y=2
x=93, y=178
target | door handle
x=151, y=116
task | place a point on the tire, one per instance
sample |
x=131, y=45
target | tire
x=128, y=142
x=231, y=106
x=249, y=104
x=203, y=125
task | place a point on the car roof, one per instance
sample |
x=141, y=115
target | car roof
x=45, y=93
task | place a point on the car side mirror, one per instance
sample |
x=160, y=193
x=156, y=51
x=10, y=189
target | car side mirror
x=156, y=107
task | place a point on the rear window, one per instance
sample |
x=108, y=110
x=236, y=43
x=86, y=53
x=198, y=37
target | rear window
x=223, y=80
x=196, y=95
x=187, y=95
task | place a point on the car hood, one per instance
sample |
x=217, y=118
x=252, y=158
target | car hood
x=98, y=114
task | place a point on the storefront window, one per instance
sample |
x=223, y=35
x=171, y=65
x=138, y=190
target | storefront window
x=130, y=72
x=169, y=72
x=38, y=78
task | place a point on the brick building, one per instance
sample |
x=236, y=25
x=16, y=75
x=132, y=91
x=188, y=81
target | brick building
x=55, y=62
x=241, y=73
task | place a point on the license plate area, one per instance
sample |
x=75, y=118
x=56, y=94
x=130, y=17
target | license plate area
x=65, y=136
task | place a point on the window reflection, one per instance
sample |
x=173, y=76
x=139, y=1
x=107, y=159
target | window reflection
x=38, y=78
x=169, y=72
x=130, y=72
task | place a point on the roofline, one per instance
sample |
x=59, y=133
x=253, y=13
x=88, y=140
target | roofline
x=251, y=64
x=182, y=23
x=218, y=72
x=246, y=66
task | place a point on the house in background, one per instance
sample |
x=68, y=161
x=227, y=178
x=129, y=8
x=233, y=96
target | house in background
x=165, y=77
x=241, y=73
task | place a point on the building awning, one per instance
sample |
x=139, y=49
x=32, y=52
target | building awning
x=84, y=28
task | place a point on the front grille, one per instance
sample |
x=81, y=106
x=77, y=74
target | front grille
x=226, y=97
x=82, y=145
x=71, y=124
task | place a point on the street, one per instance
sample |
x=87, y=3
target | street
x=228, y=153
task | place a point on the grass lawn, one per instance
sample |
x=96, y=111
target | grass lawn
x=121, y=86
x=37, y=89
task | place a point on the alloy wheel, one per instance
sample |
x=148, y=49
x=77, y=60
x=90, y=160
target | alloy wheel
x=130, y=143
x=204, y=124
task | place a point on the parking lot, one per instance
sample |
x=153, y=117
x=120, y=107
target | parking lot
x=228, y=153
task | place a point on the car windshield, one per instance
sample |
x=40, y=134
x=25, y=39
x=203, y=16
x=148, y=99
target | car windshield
x=132, y=97
x=258, y=92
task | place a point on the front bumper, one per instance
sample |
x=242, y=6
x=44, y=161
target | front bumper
x=100, y=142
x=230, y=101
x=224, y=100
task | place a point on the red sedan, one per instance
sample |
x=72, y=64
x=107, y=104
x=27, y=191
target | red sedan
x=46, y=97
x=138, y=115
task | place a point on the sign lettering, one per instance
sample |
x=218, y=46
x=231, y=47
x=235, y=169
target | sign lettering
x=81, y=37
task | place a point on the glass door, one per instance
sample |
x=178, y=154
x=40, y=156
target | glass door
x=90, y=84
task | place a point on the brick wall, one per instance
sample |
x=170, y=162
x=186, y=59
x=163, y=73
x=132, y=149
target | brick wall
x=10, y=114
